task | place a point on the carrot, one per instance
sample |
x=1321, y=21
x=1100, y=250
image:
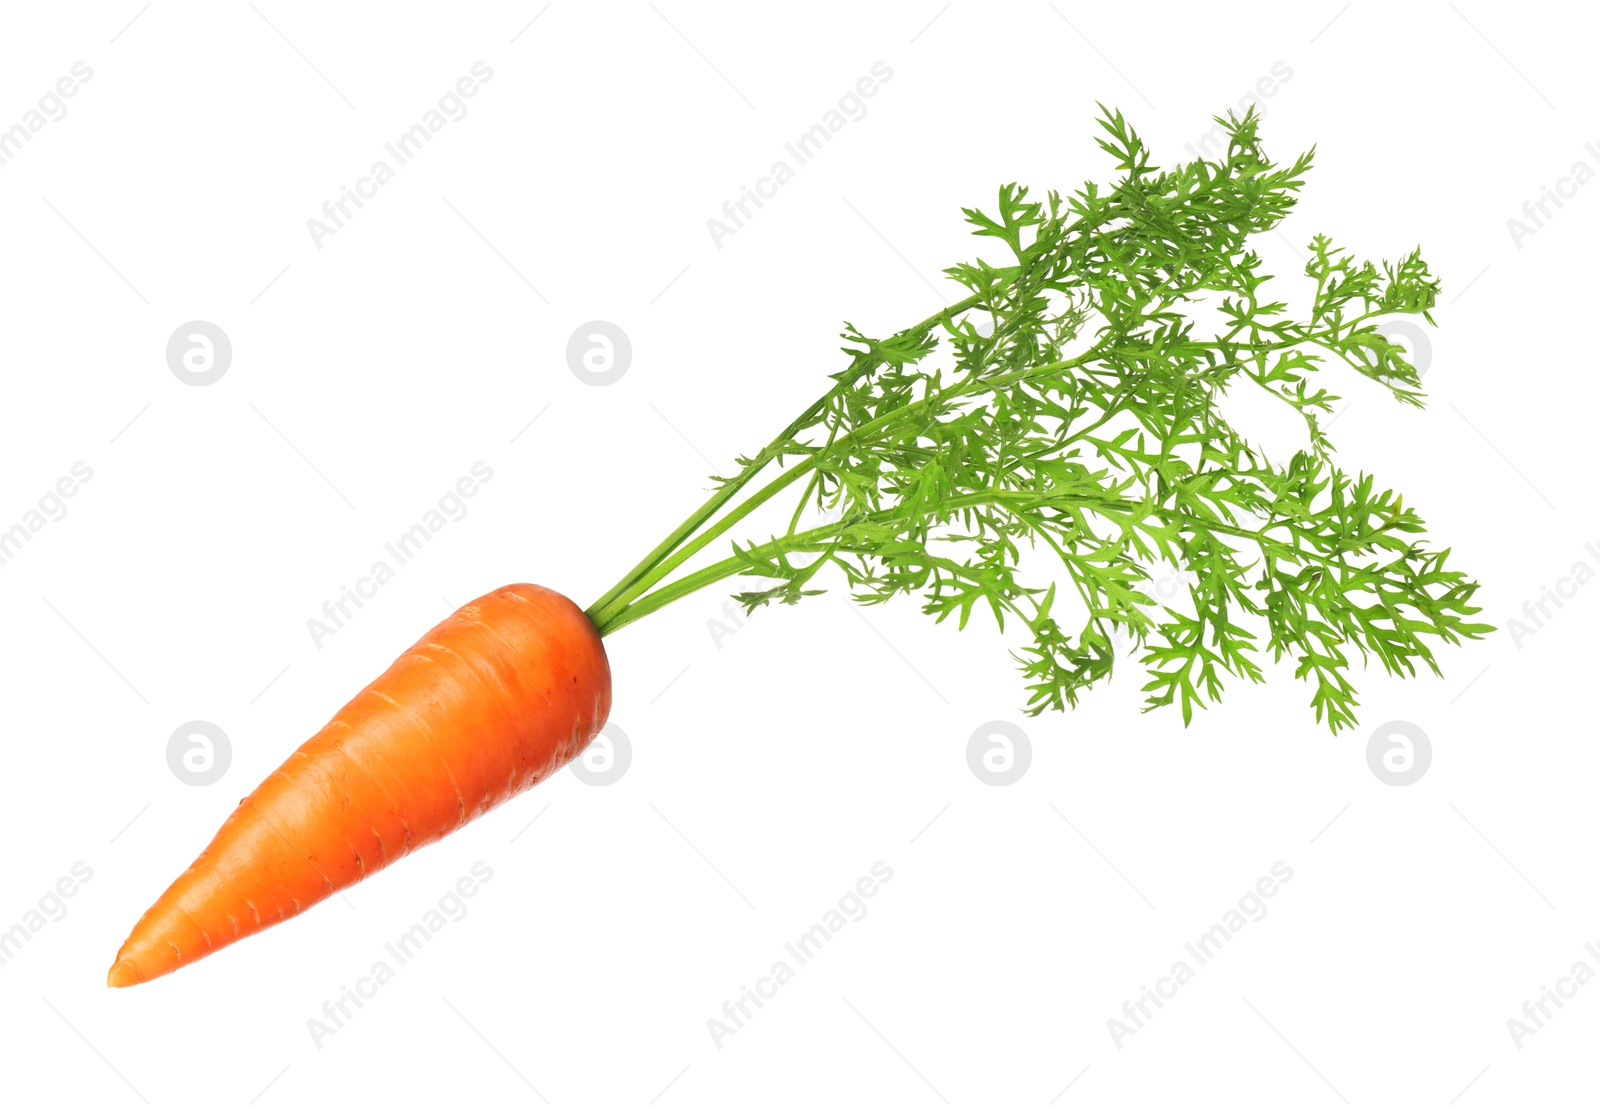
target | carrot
x=1069, y=405
x=498, y=697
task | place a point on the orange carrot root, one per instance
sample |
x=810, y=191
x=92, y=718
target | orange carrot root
x=498, y=697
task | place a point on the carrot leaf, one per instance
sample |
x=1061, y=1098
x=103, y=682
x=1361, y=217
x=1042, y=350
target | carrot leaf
x=1038, y=449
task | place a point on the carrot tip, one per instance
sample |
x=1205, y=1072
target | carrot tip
x=124, y=973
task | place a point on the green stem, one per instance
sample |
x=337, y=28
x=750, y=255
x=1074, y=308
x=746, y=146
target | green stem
x=717, y=571
x=706, y=511
x=818, y=538
x=605, y=615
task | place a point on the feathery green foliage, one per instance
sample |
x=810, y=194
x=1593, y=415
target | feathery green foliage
x=1069, y=407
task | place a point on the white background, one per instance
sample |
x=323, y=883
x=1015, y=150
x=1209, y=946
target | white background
x=771, y=771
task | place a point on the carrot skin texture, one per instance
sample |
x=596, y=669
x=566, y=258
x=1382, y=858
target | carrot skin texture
x=495, y=699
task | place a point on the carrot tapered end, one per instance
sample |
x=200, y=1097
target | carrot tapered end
x=167, y=937
x=124, y=973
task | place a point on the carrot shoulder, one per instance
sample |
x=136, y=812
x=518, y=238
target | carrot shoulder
x=498, y=697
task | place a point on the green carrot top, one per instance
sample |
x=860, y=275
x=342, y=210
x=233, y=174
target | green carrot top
x=1069, y=404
